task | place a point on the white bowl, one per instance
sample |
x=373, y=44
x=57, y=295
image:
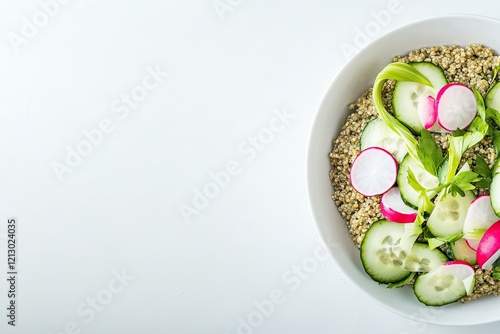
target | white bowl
x=352, y=80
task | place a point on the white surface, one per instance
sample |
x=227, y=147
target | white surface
x=118, y=210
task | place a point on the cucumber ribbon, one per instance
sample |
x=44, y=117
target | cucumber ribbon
x=400, y=72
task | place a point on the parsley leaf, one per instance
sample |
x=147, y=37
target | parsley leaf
x=495, y=134
x=481, y=109
x=482, y=167
x=424, y=203
x=462, y=182
x=495, y=72
x=484, y=171
x=460, y=144
x=442, y=170
x=428, y=152
x=496, y=272
x=413, y=182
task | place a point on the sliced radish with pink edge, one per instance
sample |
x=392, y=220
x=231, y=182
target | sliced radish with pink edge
x=456, y=106
x=394, y=209
x=480, y=216
x=427, y=112
x=472, y=244
x=373, y=172
x=464, y=271
x=437, y=128
x=488, y=250
x=445, y=284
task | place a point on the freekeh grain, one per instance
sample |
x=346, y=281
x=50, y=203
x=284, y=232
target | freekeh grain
x=472, y=66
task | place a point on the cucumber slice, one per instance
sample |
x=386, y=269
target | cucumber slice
x=439, y=287
x=407, y=95
x=492, y=99
x=424, y=259
x=385, y=261
x=377, y=134
x=495, y=187
x=434, y=73
x=461, y=251
x=426, y=179
x=405, y=101
x=449, y=214
x=377, y=252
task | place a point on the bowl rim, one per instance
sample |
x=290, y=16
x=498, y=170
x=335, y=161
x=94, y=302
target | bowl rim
x=310, y=165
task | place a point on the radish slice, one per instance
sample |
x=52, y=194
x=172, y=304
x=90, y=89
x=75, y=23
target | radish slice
x=464, y=271
x=456, y=106
x=445, y=284
x=472, y=243
x=488, y=250
x=437, y=128
x=480, y=216
x=373, y=172
x=394, y=209
x=427, y=112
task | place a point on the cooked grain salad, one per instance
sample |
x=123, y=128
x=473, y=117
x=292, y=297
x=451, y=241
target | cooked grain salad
x=473, y=66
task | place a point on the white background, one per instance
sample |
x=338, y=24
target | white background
x=232, y=65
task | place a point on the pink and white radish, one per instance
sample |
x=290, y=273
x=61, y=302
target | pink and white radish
x=373, y=172
x=480, y=217
x=456, y=106
x=427, y=112
x=464, y=271
x=394, y=209
x=488, y=250
x=445, y=284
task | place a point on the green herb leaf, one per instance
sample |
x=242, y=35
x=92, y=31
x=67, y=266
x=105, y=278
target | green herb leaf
x=465, y=177
x=438, y=241
x=435, y=243
x=482, y=167
x=494, y=115
x=484, y=183
x=426, y=233
x=429, y=153
x=442, y=170
x=475, y=234
x=460, y=144
x=481, y=109
x=496, y=272
x=495, y=73
x=402, y=283
x=413, y=182
x=495, y=134
x=484, y=171
x=424, y=203
x=462, y=182
x=454, y=237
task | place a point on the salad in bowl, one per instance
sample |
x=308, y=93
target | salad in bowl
x=403, y=174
